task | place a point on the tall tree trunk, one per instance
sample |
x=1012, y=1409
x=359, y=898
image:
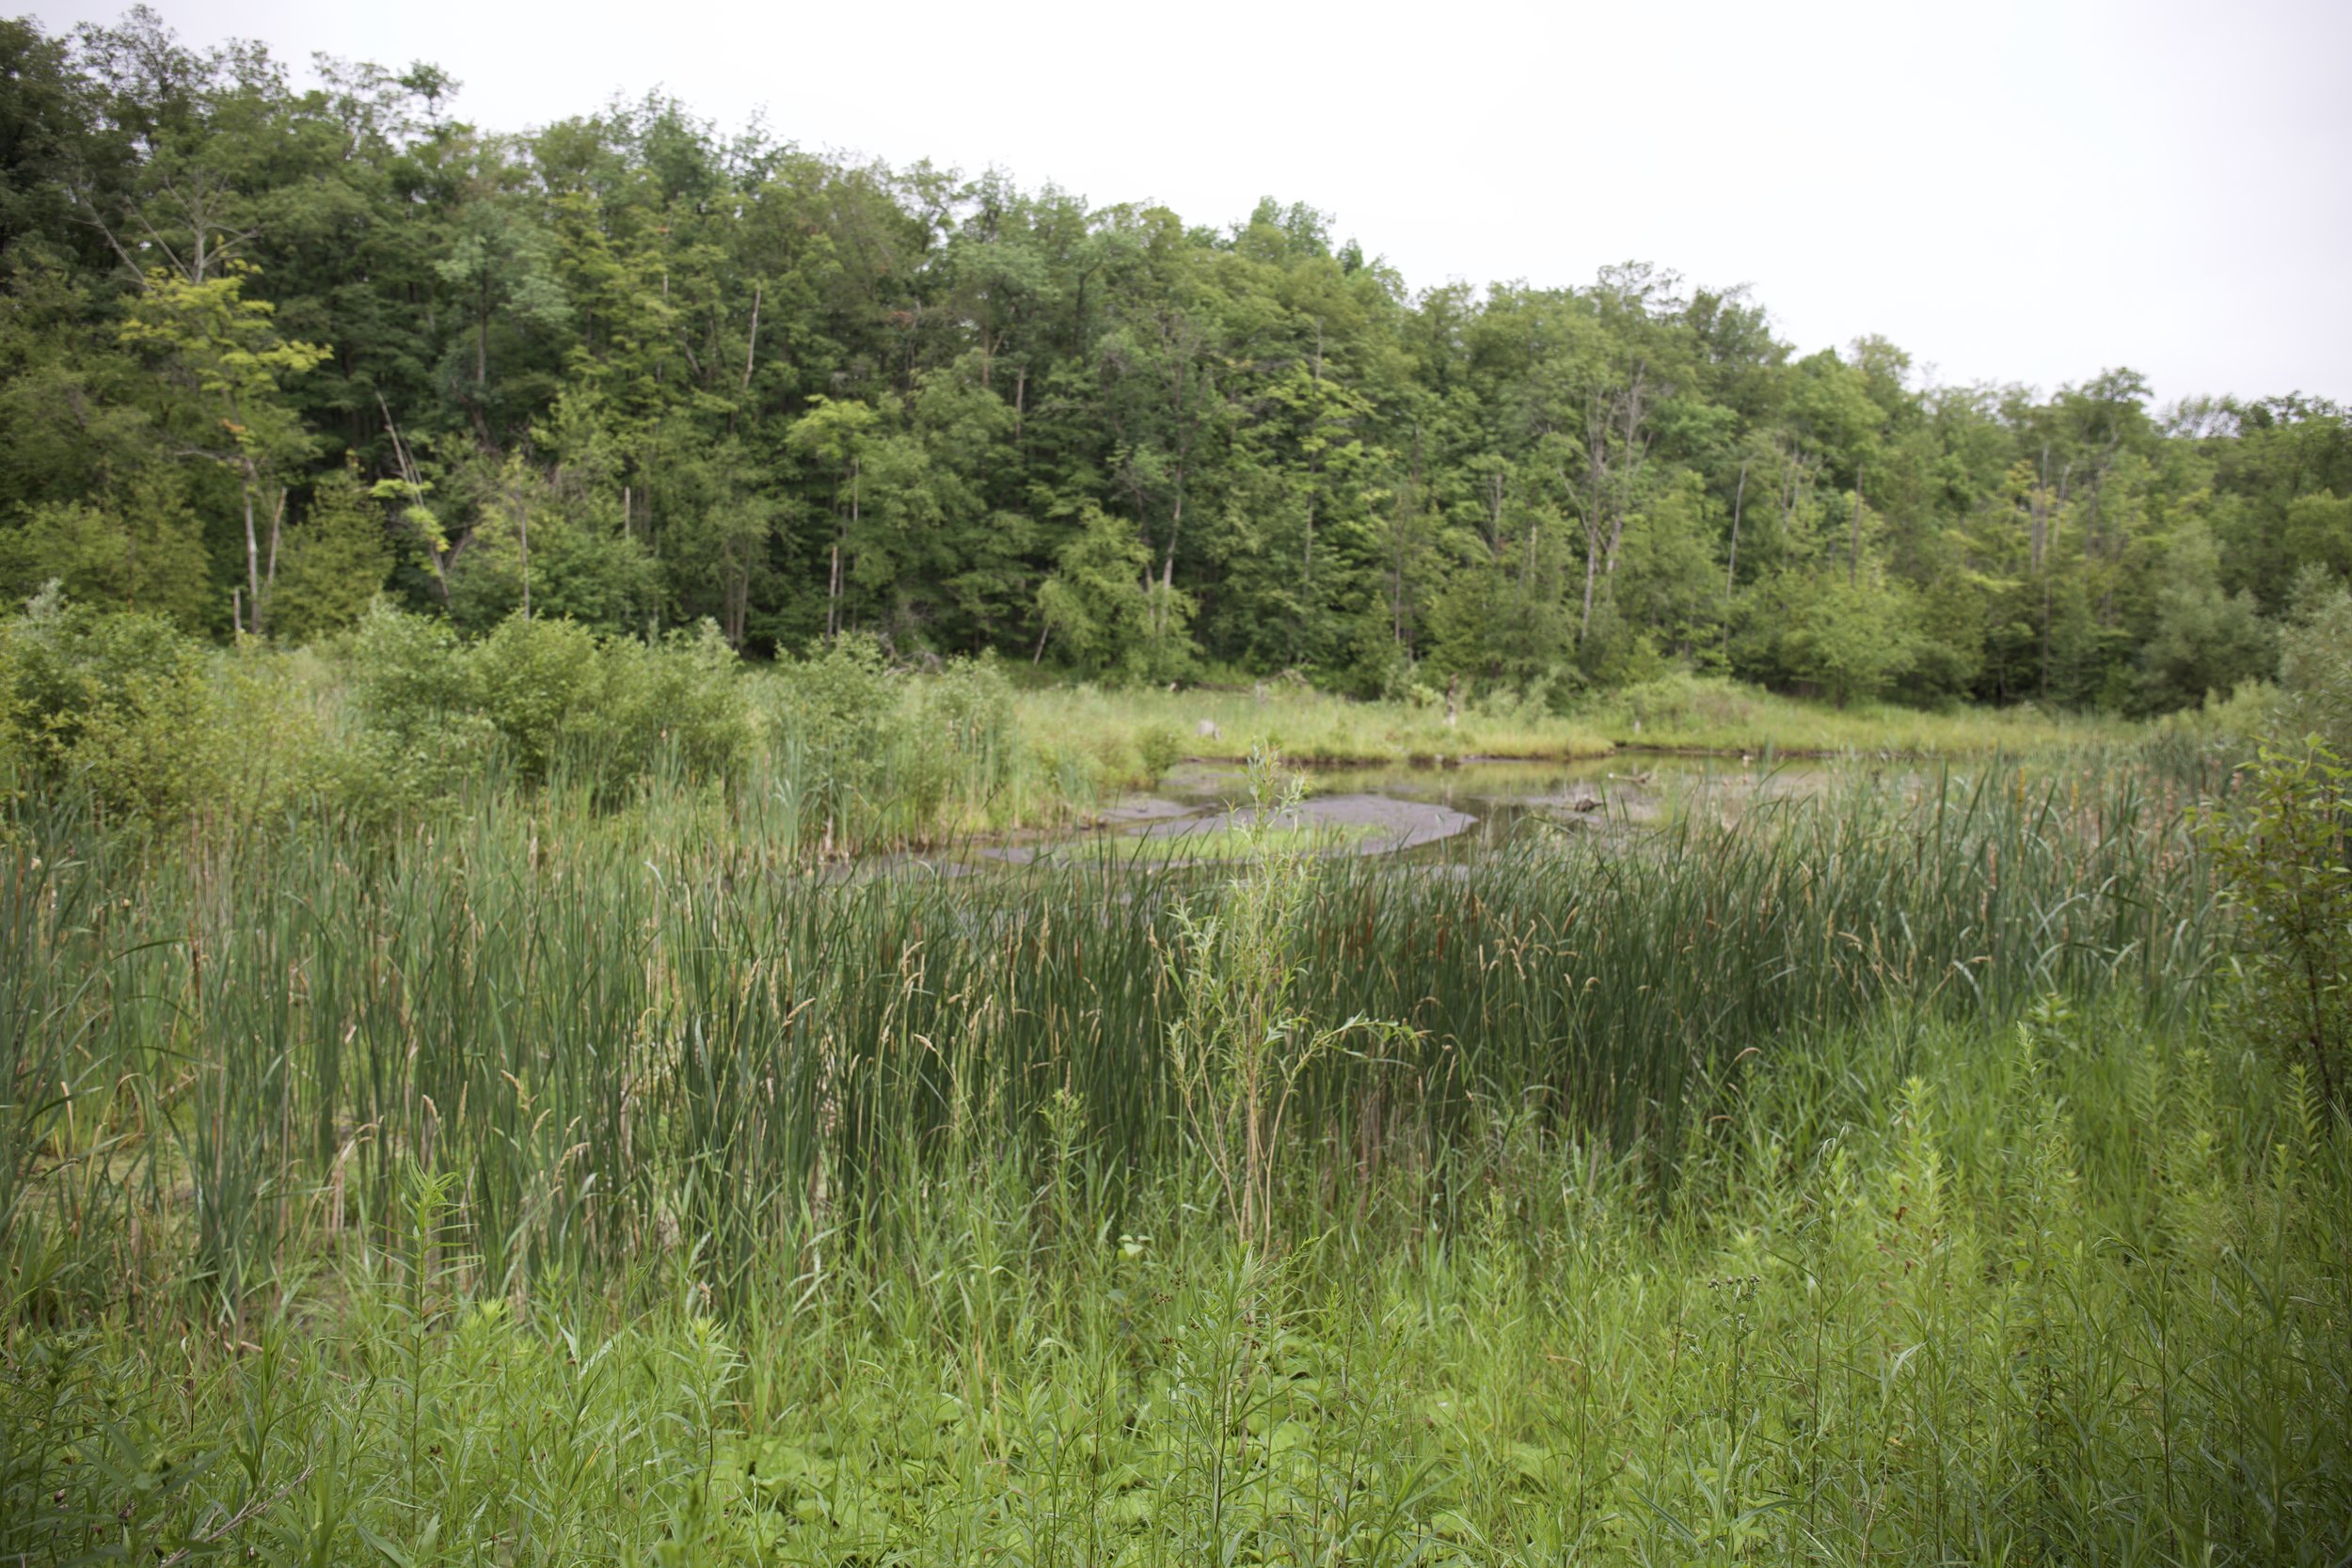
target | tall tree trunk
x=750, y=345
x=276, y=522
x=1592, y=571
x=2037, y=514
x=1853, y=557
x=834, y=591
x=415, y=481
x=1175, y=524
x=1731, y=566
x=840, y=535
x=248, y=479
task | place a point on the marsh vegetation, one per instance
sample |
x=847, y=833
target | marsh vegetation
x=652, y=909
x=576, y=1162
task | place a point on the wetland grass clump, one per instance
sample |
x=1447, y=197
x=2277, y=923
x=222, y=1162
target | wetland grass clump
x=604, y=1021
x=562, y=1180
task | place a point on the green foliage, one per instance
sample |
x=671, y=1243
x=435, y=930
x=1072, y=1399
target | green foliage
x=836, y=713
x=2315, y=664
x=1158, y=748
x=116, y=704
x=1239, y=1043
x=678, y=701
x=408, y=676
x=1848, y=638
x=144, y=552
x=550, y=696
x=558, y=694
x=867, y=754
x=333, y=566
x=2204, y=641
x=962, y=716
x=226, y=352
x=2283, y=850
x=229, y=346
x=1106, y=615
x=543, y=551
x=421, y=732
x=539, y=683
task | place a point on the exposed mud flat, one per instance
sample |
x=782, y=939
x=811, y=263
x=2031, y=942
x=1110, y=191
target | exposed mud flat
x=1131, y=810
x=1362, y=824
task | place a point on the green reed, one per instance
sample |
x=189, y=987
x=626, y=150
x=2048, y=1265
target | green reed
x=619, y=1029
x=1928, y=1300
x=576, y=1177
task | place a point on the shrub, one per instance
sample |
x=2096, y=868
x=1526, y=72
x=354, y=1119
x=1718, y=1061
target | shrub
x=683, y=694
x=833, y=714
x=2286, y=862
x=556, y=694
x=268, y=732
x=1159, y=748
x=409, y=676
x=336, y=560
x=967, y=709
x=2315, y=663
x=419, y=732
x=540, y=684
x=117, y=701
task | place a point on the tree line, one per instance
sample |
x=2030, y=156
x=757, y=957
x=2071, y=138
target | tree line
x=270, y=350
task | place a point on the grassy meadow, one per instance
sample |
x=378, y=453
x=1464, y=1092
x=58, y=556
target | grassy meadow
x=1710, y=713
x=1675, y=713
x=456, y=1135
x=1306, y=727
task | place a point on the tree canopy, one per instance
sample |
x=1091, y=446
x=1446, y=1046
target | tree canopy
x=270, y=349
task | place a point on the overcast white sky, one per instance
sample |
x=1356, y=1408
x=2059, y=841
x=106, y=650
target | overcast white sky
x=2012, y=191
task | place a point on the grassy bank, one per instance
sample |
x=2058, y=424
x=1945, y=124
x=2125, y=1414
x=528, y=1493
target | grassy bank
x=1306, y=727
x=1703, y=713
x=843, y=754
x=1682, y=712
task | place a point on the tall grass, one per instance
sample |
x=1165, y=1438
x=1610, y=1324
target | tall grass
x=1306, y=725
x=1714, y=713
x=622, y=1029
x=2055, y=1293
x=564, y=1178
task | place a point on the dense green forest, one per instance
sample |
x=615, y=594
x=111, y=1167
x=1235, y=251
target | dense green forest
x=269, y=350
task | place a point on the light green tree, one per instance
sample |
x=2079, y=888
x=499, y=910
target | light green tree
x=837, y=436
x=1851, y=638
x=227, y=350
x=1109, y=615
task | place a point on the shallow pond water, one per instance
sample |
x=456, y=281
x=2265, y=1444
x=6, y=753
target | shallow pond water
x=1394, y=809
